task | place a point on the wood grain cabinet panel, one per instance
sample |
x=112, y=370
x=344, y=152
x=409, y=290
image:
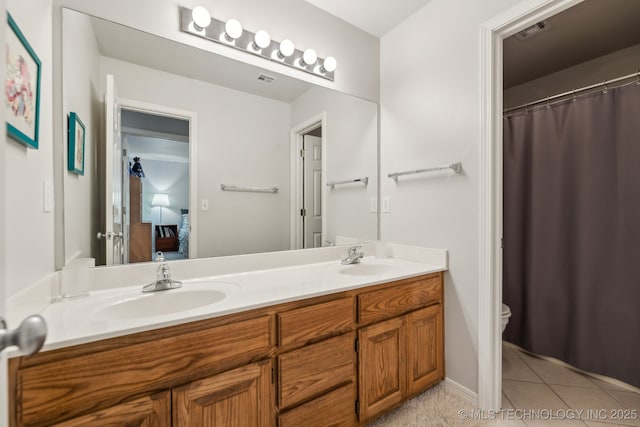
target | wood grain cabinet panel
x=334, y=409
x=424, y=348
x=237, y=398
x=315, y=369
x=381, y=367
x=385, y=303
x=55, y=391
x=317, y=321
x=148, y=411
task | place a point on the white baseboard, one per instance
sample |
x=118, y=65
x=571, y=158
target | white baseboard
x=461, y=391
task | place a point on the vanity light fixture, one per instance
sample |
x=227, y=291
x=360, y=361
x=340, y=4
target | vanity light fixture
x=199, y=22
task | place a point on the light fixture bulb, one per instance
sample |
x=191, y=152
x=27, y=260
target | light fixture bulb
x=261, y=40
x=233, y=29
x=201, y=17
x=286, y=48
x=309, y=57
x=329, y=65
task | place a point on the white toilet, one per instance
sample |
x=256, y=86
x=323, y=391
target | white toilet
x=506, y=313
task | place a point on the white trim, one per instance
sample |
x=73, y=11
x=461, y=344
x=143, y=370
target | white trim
x=192, y=117
x=296, y=200
x=461, y=391
x=492, y=32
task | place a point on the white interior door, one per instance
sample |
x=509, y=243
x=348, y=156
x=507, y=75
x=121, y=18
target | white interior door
x=312, y=221
x=114, y=247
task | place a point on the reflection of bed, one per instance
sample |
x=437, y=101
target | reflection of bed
x=183, y=234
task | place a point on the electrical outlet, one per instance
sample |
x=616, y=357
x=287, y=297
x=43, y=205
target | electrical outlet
x=204, y=204
x=374, y=205
x=386, y=205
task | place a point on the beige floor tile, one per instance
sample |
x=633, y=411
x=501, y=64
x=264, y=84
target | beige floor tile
x=605, y=385
x=629, y=399
x=509, y=350
x=506, y=404
x=516, y=369
x=596, y=399
x=529, y=395
x=552, y=373
x=604, y=424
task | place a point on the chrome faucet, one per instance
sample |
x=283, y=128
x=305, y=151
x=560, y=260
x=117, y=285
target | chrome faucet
x=355, y=254
x=163, y=280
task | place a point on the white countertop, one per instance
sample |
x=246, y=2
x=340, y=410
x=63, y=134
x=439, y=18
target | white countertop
x=84, y=320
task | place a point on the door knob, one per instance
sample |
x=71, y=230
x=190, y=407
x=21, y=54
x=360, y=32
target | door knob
x=106, y=235
x=28, y=337
x=118, y=235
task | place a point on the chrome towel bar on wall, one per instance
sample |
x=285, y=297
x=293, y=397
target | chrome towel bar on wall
x=224, y=187
x=456, y=167
x=333, y=184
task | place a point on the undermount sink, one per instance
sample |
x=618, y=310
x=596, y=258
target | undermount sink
x=140, y=305
x=368, y=267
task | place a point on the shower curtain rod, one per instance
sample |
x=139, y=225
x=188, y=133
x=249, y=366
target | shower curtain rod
x=573, y=92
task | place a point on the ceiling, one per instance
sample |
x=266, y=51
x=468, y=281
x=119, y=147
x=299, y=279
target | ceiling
x=376, y=17
x=586, y=31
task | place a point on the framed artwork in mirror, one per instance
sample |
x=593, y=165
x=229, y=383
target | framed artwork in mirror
x=22, y=87
x=76, y=145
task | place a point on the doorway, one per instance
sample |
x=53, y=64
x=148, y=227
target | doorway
x=308, y=183
x=158, y=181
x=493, y=32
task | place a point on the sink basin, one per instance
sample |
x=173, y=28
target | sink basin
x=140, y=305
x=368, y=267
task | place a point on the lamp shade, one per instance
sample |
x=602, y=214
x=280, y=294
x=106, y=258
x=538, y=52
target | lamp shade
x=160, y=199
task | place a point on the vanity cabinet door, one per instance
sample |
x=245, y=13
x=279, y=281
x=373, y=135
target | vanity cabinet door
x=425, y=361
x=382, y=372
x=149, y=411
x=238, y=398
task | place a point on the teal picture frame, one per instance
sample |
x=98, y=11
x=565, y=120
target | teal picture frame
x=22, y=87
x=75, y=158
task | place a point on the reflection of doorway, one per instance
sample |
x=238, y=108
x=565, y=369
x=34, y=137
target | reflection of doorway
x=163, y=140
x=308, y=164
x=312, y=189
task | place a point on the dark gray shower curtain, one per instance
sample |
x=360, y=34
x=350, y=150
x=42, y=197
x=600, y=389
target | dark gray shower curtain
x=572, y=231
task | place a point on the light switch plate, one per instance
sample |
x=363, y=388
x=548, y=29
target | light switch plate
x=386, y=205
x=374, y=205
x=204, y=204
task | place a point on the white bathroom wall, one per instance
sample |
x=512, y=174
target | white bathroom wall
x=81, y=85
x=29, y=233
x=242, y=140
x=430, y=115
x=307, y=26
x=351, y=152
x=607, y=67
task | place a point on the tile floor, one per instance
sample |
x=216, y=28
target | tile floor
x=529, y=382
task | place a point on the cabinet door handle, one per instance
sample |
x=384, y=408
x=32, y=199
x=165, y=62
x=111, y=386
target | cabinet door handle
x=28, y=337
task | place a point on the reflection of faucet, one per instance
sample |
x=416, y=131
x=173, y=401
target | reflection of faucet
x=163, y=280
x=355, y=254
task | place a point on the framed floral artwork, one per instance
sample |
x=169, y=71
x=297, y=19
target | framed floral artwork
x=75, y=161
x=22, y=87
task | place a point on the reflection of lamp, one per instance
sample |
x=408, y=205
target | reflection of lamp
x=161, y=200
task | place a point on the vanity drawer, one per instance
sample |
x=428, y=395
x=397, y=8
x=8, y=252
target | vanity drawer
x=315, y=369
x=333, y=409
x=304, y=324
x=52, y=392
x=389, y=302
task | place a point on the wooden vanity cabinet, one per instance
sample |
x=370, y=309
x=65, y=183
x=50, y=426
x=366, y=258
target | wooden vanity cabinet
x=336, y=360
x=401, y=356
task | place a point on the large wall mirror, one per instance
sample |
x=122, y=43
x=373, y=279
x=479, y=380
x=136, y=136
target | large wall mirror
x=198, y=155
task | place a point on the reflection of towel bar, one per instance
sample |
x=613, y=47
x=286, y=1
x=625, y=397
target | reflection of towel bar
x=456, y=167
x=248, y=189
x=364, y=180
